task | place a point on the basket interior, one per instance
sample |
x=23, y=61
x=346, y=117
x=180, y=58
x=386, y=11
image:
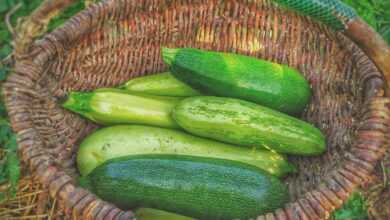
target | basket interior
x=122, y=41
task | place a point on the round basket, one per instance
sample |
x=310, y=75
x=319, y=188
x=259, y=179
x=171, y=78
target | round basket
x=115, y=40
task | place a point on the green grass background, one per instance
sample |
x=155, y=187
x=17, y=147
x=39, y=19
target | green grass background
x=374, y=12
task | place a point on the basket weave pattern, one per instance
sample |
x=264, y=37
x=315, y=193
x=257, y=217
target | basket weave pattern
x=113, y=41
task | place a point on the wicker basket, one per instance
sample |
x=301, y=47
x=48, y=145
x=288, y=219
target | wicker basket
x=115, y=40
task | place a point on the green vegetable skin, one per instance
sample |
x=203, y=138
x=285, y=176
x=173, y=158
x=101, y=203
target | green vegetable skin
x=123, y=140
x=244, y=123
x=115, y=106
x=154, y=214
x=231, y=75
x=163, y=84
x=199, y=187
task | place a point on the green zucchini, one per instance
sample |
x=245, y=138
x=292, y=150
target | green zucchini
x=231, y=75
x=115, y=106
x=163, y=84
x=122, y=140
x=205, y=188
x=155, y=214
x=248, y=124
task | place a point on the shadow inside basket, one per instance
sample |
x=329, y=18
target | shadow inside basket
x=124, y=45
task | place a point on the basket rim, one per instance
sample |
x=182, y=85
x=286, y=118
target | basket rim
x=316, y=204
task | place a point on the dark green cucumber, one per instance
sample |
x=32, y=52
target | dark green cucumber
x=123, y=140
x=231, y=75
x=244, y=123
x=164, y=84
x=199, y=187
x=155, y=214
x=115, y=106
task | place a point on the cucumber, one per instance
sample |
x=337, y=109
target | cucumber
x=122, y=140
x=115, y=106
x=163, y=84
x=231, y=75
x=204, y=188
x=248, y=124
x=155, y=214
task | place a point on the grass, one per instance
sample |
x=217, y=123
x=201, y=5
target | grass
x=9, y=162
x=354, y=209
x=375, y=12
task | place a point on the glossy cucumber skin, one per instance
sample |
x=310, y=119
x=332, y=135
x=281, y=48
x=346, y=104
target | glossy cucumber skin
x=248, y=124
x=198, y=187
x=124, y=140
x=231, y=75
x=115, y=106
x=163, y=84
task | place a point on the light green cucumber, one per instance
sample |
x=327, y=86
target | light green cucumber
x=115, y=106
x=248, y=124
x=163, y=84
x=123, y=140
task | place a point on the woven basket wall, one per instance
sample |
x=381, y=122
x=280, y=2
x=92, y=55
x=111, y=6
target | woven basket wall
x=115, y=40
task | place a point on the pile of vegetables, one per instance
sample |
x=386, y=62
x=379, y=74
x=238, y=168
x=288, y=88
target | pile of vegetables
x=205, y=140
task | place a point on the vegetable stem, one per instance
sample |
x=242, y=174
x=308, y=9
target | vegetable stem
x=169, y=55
